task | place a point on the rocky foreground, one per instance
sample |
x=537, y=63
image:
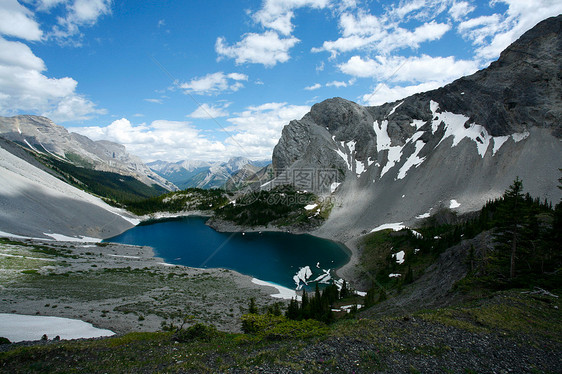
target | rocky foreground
x=512, y=332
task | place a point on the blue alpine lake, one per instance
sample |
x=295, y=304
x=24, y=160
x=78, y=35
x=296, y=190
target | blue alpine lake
x=270, y=256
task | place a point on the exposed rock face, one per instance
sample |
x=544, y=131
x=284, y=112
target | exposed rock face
x=42, y=135
x=455, y=147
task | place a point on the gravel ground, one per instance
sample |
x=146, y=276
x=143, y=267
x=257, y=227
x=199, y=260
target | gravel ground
x=120, y=287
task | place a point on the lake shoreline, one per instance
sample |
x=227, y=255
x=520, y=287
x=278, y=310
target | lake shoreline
x=275, y=255
x=350, y=271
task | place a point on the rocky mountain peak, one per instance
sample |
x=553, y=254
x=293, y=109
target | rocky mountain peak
x=519, y=90
x=457, y=146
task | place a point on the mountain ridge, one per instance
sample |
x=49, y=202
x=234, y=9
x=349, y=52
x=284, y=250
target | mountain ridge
x=455, y=147
x=42, y=135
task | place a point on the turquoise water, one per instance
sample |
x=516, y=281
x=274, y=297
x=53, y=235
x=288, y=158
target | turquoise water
x=269, y=256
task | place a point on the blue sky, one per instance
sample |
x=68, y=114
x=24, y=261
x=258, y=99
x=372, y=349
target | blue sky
x=209, y=80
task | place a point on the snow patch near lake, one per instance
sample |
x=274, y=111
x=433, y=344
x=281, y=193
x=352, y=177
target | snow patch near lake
x=18, y=328
x=334, y=186
x=323, y=278
x=498, y=142
x=424, y=215
x=517, y=137
x=394, y=109
x=8, y=235
x=125, y=256
x=348, y=155
x=81, y=239
x=283, y=292
x=301, y=278
x=413, y=160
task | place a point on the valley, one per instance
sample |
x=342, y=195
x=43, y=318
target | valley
x=449, y=200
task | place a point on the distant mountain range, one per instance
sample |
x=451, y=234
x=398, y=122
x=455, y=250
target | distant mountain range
x=203, y=174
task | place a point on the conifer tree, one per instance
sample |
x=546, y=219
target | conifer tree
x=305, y=306
x=409, y=278
x=370, y=297
x=293, y=310
x=512, y=219
x=344, y=292
x=253, y=308
x=382, y=295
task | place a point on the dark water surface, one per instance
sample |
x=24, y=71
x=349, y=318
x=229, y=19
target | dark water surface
x=269, y=256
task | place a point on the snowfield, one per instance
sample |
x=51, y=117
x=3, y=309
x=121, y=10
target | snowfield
x=283, y=292
x=18, y=328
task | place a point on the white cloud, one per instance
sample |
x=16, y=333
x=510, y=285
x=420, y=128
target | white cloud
x=313, y=87
x=278, y=14
x=154, y=101
x=492, y=34
x=339, y=84
x=362, y=24
x=267, y=48
x=215, y=83
x=480, y=28
x=368, y=32
x=45, y=5
x=258, y=129
x=271, y=46
x=73, y=108
x=252, y=133
x=385, y=94
x=17, y=21
x=24, y=87
x=78, y=13
x=206, y=111
x=409, y=69
x=17, y=54
x=162, y=139
x=460, y=9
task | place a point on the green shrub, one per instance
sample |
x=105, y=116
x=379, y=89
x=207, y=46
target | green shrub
x=271, y=327
x=197, y=331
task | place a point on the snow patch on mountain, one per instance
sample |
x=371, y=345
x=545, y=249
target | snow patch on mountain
x=394, y=226
x=394, y=108
x=413, y=160
x=454, y=204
